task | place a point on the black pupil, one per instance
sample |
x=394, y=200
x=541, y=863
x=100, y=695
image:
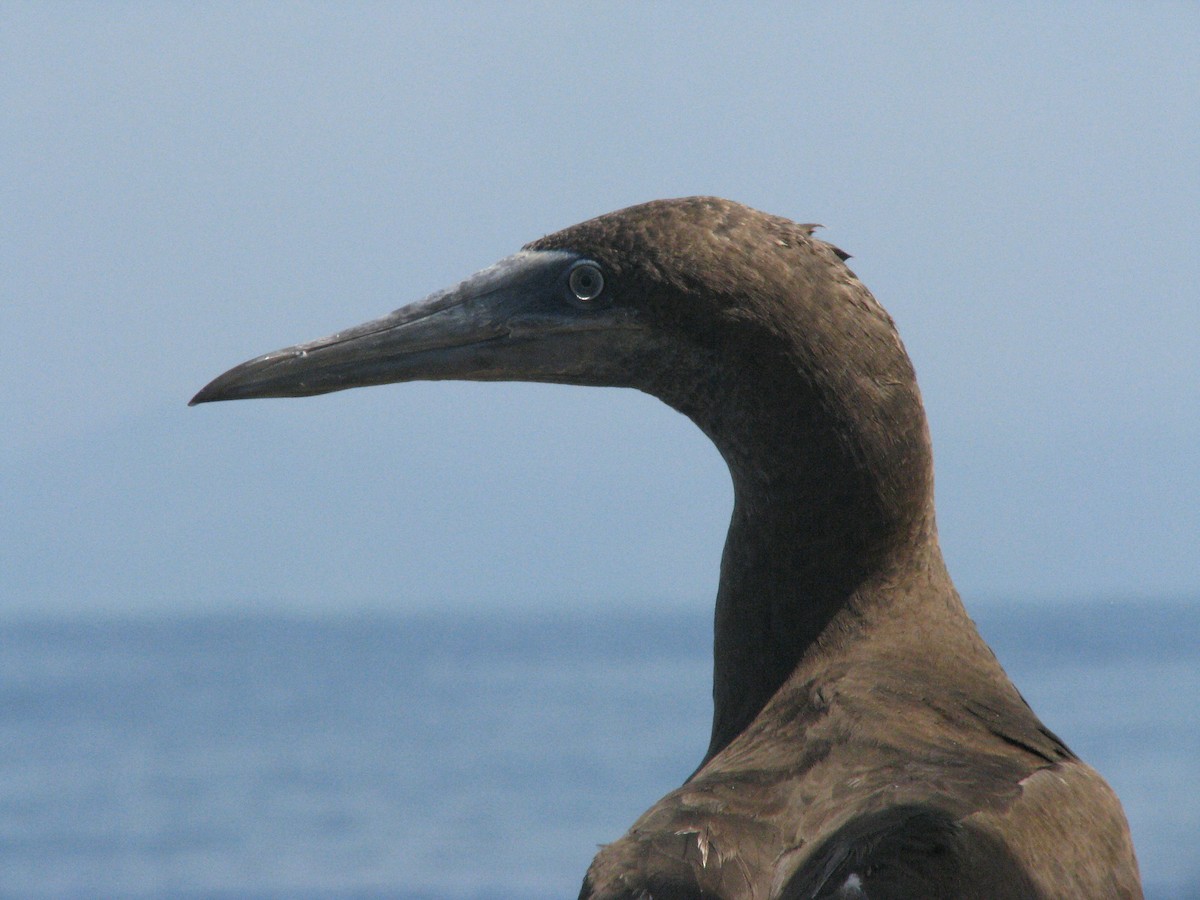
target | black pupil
x=586, y=283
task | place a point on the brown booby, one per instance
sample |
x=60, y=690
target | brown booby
x=865, y=740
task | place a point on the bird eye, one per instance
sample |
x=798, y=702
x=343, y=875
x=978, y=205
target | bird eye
x=586, y=282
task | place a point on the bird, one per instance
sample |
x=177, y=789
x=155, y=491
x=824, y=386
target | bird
x=866, y=742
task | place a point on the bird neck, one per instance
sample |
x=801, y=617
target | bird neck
x=832, y=527
x=791, y=598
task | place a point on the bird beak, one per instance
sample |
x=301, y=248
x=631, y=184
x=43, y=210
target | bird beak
x=514, y=321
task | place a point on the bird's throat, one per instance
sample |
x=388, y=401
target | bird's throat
x=819, y=545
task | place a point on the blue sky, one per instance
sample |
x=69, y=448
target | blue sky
x=184, y=188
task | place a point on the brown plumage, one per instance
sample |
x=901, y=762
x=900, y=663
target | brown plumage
x=865, y=742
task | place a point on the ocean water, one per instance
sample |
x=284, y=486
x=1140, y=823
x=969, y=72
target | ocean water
x=427, y=757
